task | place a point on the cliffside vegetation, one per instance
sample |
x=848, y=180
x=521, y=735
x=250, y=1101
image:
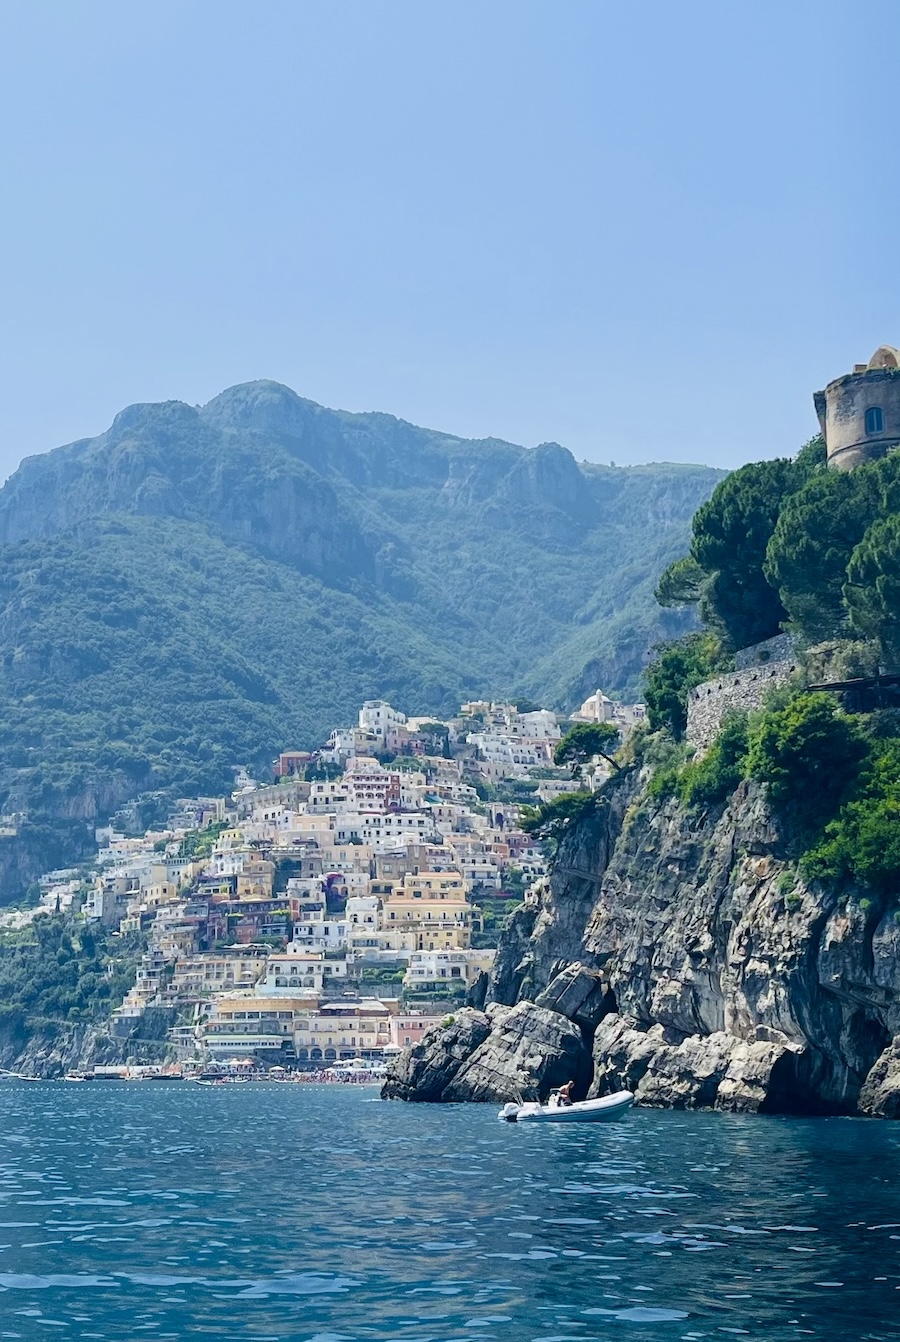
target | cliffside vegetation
x=787, y=545
x=59, y=972
x=723, y=925
x=792, y=545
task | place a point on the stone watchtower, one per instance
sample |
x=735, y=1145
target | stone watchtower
x=860, y=412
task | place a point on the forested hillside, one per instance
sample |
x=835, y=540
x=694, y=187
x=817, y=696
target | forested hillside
x=201, y=586
x=529, y=571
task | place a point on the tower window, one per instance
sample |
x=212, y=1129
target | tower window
x=874, y=420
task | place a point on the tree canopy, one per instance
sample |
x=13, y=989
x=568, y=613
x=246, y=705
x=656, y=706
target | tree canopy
x=816, y=533
x=61, y=971
x=586, y=740
x=730, y=535
x=726, y=570
x=872, y=589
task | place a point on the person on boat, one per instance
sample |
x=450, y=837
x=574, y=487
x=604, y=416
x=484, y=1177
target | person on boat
x=564, y=1094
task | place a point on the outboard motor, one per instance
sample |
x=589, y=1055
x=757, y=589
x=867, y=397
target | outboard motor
x=509, y=1113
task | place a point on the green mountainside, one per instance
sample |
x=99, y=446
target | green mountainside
x=198, y=587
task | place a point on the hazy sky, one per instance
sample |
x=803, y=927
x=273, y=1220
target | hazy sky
x=645, y=230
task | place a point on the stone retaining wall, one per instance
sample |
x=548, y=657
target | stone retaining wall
x=780, y=648
x=741, y=691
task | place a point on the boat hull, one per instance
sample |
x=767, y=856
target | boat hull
x=602, y=1110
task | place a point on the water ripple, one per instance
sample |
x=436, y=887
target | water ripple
x=180, y=1214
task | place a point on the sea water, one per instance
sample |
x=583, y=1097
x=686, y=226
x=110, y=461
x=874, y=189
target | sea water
x=265, y=1212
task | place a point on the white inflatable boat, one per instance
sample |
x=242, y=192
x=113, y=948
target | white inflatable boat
x=585, y=1111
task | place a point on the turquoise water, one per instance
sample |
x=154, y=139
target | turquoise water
x=298, y=1212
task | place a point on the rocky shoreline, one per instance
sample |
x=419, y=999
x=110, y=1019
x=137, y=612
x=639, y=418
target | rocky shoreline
x=678, y=954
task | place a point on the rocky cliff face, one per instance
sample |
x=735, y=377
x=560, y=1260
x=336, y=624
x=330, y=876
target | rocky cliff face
x=54, y=1050
x=699, y=968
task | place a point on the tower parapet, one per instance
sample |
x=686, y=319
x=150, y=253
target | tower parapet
x=859, y=413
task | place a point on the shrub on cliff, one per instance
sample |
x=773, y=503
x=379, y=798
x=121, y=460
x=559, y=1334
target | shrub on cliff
x=551, y=820
x=584, y=742
x=832, y=779
x=671, y=677
x=711, y=779
x=809, y=755
x=862, y=843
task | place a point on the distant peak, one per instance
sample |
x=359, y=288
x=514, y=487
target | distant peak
x=261, y=389
x=262, y=406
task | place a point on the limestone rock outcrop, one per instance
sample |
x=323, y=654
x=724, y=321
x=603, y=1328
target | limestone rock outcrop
x=506, y=1053
x=425, y=1070
x=52, y=1052
x=581, y=994
x=672, y=1071
x=528, y=1051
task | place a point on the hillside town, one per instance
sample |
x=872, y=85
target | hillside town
x=326, y=918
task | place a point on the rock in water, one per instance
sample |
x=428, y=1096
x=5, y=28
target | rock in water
x=423, y=1071
x=880, y=1095
x=506, y=1053
x=667, y=1070
x=528, y=1052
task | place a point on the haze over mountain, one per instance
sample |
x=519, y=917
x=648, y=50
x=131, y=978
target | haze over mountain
x=200, y=586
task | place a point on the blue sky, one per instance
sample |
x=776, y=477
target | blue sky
x=647, y=231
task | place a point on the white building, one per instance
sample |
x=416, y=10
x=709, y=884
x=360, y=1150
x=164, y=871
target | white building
x=328, y=935
x=384, y=831
x=377, y=718
x=362, y=911
x=512, y=752
x=293, y=971
x=541, y=725
x=439, y=969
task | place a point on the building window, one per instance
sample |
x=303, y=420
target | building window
x=874, y=420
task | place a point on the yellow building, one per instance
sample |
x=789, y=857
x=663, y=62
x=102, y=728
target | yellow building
x=229, y=839
x=434, y=907
x=167, y=879
x=318, y=827
x=279, y=1029
x=256, y=879
x=360, y=1029
x=158, y=893
x=430, y=970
